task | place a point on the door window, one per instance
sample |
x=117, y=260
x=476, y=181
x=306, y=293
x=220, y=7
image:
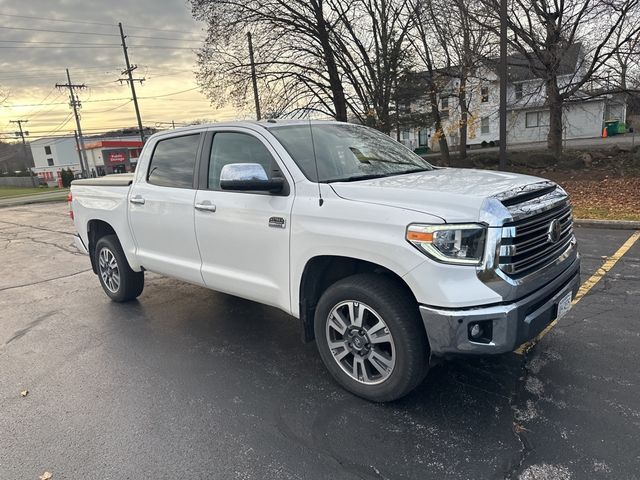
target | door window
x=173, y=162
x=234, y=147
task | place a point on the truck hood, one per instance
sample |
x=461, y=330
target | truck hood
x=453, y=194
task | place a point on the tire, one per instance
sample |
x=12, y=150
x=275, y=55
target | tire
x=118, y=281
x=400, y=339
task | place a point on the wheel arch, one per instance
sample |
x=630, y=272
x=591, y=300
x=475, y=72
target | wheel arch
x=96, y=229
x=322, y=271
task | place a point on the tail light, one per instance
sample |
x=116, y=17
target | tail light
x=70, y=201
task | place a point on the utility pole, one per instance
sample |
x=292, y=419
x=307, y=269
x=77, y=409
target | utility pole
x=75, y=134
x=22, y=134
x=503, y=85
x=131, y=80
x=75, y=104
x=254, y=79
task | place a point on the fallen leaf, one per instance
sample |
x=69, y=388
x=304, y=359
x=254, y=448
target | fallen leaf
x=518, y=429
x=46, y=476
x=24, y=393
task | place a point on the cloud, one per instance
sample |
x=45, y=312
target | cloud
x=164, y=58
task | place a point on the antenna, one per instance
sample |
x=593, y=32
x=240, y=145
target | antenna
x=315, y=161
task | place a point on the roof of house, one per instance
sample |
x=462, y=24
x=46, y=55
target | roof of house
x=520, y=69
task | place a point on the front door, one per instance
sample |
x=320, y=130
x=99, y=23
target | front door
x=161, y=210
x=244, y=236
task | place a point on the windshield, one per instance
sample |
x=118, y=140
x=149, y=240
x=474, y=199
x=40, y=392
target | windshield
x=346, y=152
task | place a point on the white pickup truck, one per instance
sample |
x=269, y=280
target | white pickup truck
x=388, y=262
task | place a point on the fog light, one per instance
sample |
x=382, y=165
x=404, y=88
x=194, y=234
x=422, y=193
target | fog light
x=480, y=332
x=476, y=331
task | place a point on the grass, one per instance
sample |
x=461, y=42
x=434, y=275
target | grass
x=11, y=192
x=601, y=213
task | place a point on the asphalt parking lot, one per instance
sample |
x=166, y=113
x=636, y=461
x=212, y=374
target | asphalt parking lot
x=187, y=383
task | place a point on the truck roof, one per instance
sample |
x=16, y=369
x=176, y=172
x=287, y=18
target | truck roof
x=271, y=123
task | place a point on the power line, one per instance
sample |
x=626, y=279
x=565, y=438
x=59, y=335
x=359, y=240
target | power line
x=101, y=34
x=111, y=99
x=47, y=42
x=111, y=109
x=59, y=31
x=87, y=22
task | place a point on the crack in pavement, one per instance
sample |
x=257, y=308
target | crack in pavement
x=518, y=430
x=45, y=281
x=22, y=332
x=36, y=228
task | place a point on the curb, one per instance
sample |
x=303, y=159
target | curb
x=611, y=224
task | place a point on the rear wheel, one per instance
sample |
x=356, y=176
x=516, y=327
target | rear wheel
x=117, y=278
x=371, y=338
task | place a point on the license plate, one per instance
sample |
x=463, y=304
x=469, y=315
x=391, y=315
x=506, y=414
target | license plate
x=564, y=305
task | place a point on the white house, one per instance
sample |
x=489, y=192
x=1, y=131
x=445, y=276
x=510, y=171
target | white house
x=52, y=155
x=527, y=114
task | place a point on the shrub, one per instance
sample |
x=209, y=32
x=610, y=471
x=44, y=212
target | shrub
x=66, y=176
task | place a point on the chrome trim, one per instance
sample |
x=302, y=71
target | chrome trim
x=500, y=220
x=447, y=329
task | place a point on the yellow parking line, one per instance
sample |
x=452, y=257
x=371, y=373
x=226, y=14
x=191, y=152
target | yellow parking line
x=584, y=288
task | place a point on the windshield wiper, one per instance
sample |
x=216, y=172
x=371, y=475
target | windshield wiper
x=355, y=178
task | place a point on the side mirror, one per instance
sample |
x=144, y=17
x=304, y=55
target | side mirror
x=249, y=177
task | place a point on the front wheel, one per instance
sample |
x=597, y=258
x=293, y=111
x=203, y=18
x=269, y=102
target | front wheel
x=370, y=337
x=117, y=278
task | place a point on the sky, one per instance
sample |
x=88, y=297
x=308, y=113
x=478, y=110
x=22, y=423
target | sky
x=162, y=37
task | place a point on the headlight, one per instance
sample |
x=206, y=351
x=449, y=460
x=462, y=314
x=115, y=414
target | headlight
x=460, y=244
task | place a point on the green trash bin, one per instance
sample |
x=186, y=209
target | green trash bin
x=622, y=128
x=612, y=127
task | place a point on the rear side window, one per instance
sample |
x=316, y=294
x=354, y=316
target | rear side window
x=173, y=162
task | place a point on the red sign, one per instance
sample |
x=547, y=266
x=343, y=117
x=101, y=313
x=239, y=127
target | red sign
x=117, y=157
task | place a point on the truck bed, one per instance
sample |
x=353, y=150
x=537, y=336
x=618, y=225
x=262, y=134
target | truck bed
x=116, y=180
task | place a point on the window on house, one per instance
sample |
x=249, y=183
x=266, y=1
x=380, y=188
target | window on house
x=444, y=107
x=484, y=94
x=47, y=150
x=484, y=125
x=532, y=119
x=50, y=162
x=405, y=135
x=518, y=87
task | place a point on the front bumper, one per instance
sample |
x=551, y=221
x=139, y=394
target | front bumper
x=512, y=323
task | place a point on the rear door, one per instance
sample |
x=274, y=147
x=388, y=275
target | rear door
x=161, y=209
x=244, y=236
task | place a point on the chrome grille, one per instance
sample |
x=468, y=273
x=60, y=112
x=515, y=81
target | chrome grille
x=526, y=245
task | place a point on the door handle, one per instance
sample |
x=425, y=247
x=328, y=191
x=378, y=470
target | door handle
x=137, y=200
x=205, y=206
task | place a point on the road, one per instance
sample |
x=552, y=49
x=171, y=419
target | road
x=188, y=383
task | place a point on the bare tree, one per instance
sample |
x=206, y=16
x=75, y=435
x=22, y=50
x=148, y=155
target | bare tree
x=465, y=44
x=431, y=59
x=371, y=41
x=542, y=32
x=295, y=60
